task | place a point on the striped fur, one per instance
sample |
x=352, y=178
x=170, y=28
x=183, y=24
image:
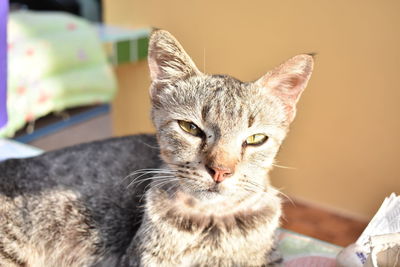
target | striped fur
x=115, y=203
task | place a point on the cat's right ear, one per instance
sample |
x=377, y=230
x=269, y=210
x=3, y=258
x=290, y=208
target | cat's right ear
x=168, y=61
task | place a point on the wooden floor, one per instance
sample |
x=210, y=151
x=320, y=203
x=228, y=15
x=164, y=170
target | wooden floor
x=321, y=224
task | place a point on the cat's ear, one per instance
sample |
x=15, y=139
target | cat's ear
x=288, y=81
x=167, y=59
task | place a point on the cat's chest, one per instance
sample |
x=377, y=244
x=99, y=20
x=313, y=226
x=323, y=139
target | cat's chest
x=194, y=236
x=209, y=240
x=213, y=246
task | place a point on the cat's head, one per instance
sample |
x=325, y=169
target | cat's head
x=218, y=134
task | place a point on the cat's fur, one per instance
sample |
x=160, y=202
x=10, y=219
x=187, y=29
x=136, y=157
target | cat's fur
x=86, y=205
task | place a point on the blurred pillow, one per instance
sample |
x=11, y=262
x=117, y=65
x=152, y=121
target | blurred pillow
x=56, y=61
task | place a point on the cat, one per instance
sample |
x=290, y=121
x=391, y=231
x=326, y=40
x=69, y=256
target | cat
x=196, y=194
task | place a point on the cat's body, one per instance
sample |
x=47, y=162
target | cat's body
x=206, y=202
x=72, y=207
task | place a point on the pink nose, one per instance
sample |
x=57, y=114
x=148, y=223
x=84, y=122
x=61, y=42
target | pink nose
x=219, y=173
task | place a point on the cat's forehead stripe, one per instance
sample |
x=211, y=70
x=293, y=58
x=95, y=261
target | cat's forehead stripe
x=251, y=120
x=204, y=111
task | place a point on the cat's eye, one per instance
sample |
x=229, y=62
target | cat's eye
x=190, y=128
x=256, y=139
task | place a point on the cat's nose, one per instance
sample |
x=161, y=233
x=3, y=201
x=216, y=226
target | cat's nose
x=219, y=173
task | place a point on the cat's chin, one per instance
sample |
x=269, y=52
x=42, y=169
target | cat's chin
x=216, y=203
x=209, y=195
x=206, y=194
x=212, y=195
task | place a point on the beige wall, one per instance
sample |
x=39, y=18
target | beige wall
x=130, y=111
x=345, y=142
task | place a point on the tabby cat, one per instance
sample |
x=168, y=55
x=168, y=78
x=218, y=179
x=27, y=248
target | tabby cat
x=196, y=194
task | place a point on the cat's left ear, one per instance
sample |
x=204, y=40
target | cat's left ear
x=288, y=81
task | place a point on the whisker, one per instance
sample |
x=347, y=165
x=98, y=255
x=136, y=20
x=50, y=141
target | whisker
x=148, y=145
x=137, y=182
x=250, y=182
x=250, y=186
x=156, y=186
x=176, y=191
x=137, y=179
x=143, y=172
x=286, y=196
x=150, y=171
x=162, y=183
x=255, y=184
x=186, y=177
x=283, y=167
x=251, y=189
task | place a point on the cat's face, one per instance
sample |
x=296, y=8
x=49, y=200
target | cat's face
x=218, y=134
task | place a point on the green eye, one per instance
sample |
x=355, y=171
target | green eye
x=256, y=139
x=190, y=128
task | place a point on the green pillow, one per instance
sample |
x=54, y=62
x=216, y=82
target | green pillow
x=55, y=61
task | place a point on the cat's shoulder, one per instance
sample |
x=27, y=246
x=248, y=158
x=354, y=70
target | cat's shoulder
x=133, y=147
x=129, y=143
